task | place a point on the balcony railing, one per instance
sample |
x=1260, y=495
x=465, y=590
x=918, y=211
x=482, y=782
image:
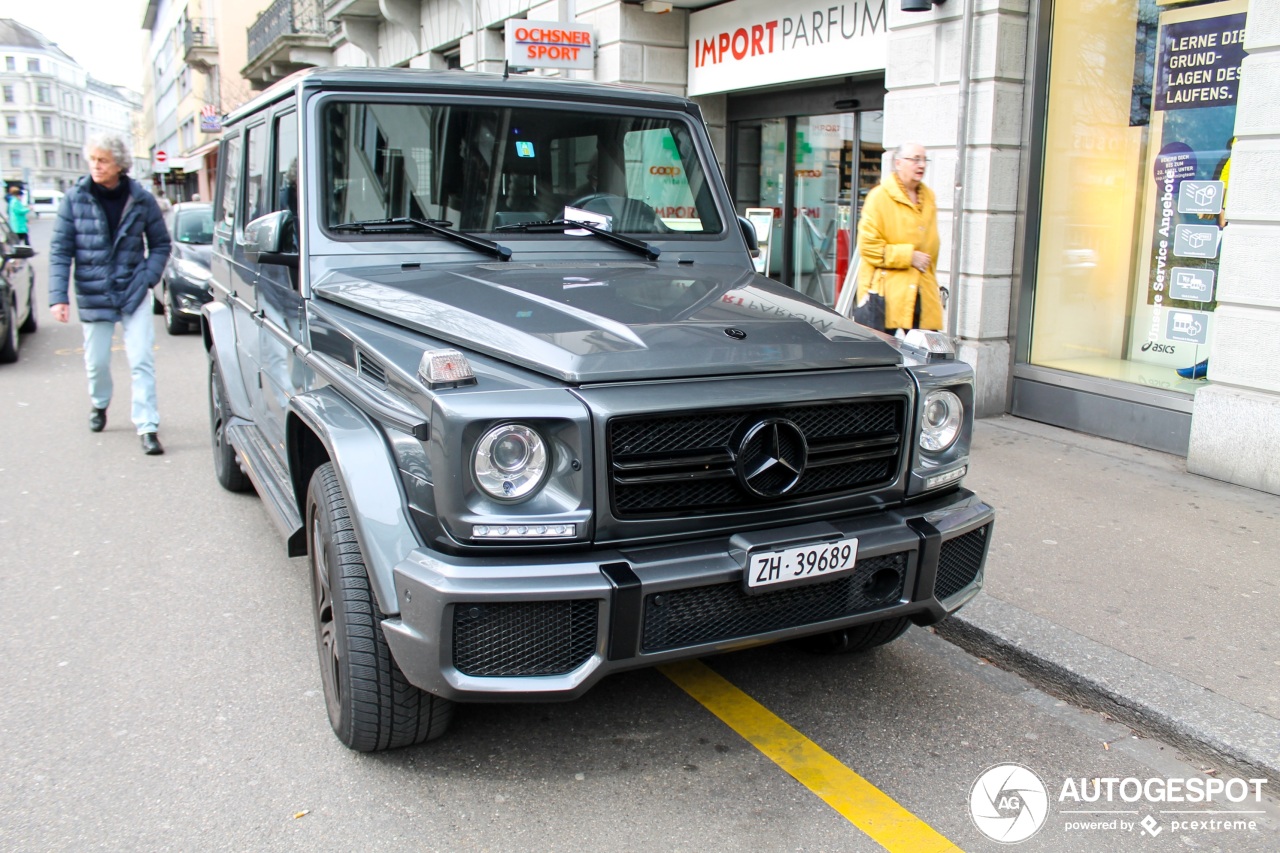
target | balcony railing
x=282, y=18
x=200, y=32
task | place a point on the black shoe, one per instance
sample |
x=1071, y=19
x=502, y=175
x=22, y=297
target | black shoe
x=151, y=444
x=97, y=419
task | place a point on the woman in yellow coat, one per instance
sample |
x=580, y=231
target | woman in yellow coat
x=898, y=244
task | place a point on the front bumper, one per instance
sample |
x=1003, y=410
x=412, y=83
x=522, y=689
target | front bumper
x=491, y=630
x=188, y=297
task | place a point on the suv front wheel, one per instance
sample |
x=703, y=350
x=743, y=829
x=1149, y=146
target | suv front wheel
x=226, y=467
x=371, y=705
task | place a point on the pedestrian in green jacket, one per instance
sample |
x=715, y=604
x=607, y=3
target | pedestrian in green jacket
x=18, y=211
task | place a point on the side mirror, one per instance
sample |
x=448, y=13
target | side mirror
x=20, y=252
x=749, y=234
x=272, y=239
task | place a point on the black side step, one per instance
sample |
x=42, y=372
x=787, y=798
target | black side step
x=271, y=480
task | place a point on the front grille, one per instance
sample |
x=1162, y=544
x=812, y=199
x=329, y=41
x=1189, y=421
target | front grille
x=707, y=614
x=689, y=463
x=960, y=561
x=524, y=638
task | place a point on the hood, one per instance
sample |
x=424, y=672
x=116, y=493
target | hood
x=200, y=253
x=602, y=322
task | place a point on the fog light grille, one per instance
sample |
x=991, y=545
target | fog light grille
x=960, y=561
x=705, y=614
x=524, y=638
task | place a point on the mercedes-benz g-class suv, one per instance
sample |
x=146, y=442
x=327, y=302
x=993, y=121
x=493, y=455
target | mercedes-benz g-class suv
x=494, y=355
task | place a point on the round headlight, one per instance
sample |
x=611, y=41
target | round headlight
x=943, y=417
x=510, y=462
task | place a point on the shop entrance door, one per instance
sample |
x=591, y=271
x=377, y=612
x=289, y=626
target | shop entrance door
x=834, y=161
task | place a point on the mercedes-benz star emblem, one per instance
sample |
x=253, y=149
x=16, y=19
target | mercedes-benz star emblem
x=771, y=457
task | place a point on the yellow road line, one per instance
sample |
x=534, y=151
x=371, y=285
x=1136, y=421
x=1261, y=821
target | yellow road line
x=862, y=804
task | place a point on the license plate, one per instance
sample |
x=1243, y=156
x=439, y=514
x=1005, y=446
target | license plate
x=804, y=562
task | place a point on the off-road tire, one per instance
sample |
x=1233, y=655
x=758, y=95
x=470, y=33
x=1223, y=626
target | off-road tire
x=371, y=705
x=860, y=638
x=225, y=465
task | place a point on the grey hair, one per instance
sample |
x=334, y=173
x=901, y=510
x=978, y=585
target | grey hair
x=902, y=149
x=114, y=145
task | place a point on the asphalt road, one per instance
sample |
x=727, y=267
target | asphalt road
x=161, y=691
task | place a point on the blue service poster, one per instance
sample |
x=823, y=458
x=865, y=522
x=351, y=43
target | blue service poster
x=1196, y=82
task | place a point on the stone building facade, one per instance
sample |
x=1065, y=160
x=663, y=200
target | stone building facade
x=1082, y=153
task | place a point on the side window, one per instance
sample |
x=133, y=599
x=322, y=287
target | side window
x=255, y=196
x=230, y=188
x=286, y=164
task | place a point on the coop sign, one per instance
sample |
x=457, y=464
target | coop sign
x=550, y=44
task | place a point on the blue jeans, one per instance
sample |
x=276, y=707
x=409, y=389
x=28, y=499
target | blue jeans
x=139, y=346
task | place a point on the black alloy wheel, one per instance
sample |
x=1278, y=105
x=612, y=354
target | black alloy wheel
x=371, y=705
x=225, y=465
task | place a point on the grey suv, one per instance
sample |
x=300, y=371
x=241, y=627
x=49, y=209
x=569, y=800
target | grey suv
x=493, y=353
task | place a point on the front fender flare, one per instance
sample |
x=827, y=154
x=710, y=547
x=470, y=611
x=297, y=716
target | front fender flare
x=370, y=483
x=219, y=333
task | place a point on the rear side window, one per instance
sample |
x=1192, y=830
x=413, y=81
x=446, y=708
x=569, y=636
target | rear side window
x=230, y=179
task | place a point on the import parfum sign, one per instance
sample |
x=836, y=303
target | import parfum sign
x=747, y=43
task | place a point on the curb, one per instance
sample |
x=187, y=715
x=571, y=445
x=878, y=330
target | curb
x=1086, y=673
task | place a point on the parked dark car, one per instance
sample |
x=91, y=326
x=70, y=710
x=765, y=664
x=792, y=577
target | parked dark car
x=17, y=294
x=184, y=288
x=494, y=355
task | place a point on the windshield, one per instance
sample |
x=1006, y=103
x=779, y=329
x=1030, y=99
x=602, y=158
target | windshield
x=194, y=226
x=483, y=168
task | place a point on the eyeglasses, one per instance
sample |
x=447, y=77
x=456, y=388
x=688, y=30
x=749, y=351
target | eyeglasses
x=920, y=160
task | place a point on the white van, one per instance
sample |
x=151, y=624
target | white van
x=45, y=201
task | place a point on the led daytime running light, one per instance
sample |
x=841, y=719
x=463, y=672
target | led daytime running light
x=524, y=531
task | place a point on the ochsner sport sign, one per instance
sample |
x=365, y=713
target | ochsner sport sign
x=748, y=43
x=549, y=44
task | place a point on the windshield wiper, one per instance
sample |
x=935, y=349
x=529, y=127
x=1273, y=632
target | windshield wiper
x=640, y=247
x=439, y=227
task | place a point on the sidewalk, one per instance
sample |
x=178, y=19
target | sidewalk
x=1121, y=582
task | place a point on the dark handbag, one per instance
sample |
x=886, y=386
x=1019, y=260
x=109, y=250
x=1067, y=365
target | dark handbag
x=870, y=312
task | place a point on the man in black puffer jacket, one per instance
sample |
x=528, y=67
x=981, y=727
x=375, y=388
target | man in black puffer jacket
x=111, y=229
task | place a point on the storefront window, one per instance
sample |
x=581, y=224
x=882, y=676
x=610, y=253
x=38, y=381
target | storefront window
x=1141, y=110
x=835, y=163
